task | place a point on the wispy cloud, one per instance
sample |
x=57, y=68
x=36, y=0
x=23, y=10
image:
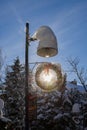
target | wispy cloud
x=18, y=18
x=67, y=24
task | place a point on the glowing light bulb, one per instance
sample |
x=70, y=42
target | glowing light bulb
x=47, y=56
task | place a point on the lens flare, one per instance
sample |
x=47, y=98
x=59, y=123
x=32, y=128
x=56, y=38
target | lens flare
x=49, y=77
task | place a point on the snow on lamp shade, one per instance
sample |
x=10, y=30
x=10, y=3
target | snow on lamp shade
x=47, y=42
x=49, y=77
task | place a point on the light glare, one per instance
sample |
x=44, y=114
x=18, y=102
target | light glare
x=49, y=77
x=47, y=56
x=46, y=76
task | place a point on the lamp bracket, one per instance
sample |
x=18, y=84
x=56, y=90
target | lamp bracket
x=32, y=39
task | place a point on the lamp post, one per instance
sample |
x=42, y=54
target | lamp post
x=26, y=79
x=47, y=48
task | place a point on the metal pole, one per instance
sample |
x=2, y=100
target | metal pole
x=26, y=79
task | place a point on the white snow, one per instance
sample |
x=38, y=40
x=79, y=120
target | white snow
x=76, y=108
x=1, y=104
x=71, y=85
x=58, y=116
x=40, y=116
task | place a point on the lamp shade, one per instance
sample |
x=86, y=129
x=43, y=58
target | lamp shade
x=47, y=42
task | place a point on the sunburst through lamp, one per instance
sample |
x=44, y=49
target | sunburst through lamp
x=49, y=77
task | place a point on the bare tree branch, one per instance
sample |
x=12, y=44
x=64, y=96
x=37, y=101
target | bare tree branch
x=80, y=72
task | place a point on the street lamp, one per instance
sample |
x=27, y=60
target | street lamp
x=47, y=48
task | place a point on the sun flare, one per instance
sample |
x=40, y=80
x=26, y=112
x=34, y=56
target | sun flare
x=47, y=77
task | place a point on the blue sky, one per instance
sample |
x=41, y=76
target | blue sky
x=67, y=19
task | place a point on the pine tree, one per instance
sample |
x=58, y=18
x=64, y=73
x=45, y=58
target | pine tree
x=14, y=102
x=61, y=111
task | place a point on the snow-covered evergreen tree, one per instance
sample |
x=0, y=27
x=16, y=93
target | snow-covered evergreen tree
x=14, y=101
x=63, y=111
